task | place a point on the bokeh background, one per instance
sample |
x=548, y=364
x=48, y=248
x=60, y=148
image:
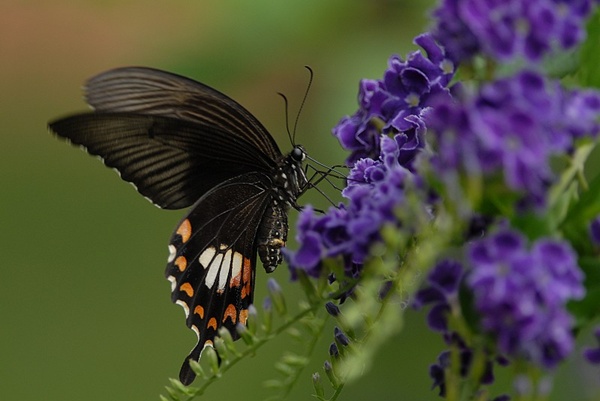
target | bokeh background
x=84, y=307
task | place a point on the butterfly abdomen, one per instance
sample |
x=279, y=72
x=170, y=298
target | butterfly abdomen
x=272, y=236
x=289, y=181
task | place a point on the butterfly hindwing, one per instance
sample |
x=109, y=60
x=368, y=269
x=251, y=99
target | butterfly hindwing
x=213, y=258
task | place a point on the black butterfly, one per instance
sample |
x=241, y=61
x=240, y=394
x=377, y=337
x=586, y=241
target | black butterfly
x=182, y=143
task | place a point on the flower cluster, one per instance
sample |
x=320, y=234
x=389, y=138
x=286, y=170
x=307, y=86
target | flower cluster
x=521, y=293
x=438, y=371
x=375, y=188
x=512, y=127
x=395, y=104
x=509, y=29
x=469, y=156
x=441, y=292
x=384, y=137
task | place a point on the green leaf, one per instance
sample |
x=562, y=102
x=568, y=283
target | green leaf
x=197, y=368
x=210, y=354
x=333, y=379
x=588, y=308
x=532, y=225
x=576, y=223
x=562, y=63
x=294, y=360
x=589, y=74
x=318, y=385
x=173, y=393
x=245, y=334
x=557, y=211
x=177, y=385
x=273, y=384
x=277, y=297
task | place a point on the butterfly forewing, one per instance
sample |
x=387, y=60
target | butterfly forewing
x=148, y=91
x=171, y=162
x=213, y=258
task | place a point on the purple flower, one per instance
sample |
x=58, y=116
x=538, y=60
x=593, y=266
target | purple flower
x=438, y=374
x=333, y=350
x=375, y=189
x=394, y=106
x=520, y=294
x=511, y=128
x=437, y=371
x=592, y=355
x=441, y=293
x=582, y=108
x=332, y=309
x=509, y=29
x=595, y=230
x=340, y=337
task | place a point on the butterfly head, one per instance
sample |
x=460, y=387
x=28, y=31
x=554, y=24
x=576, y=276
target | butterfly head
x=298, y=154
x=290, y=178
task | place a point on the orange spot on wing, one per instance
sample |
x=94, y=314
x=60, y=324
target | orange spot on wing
x=187, y=288
x=199, y=310
x=231, y=313
x=246, y=278
x=243, y=316
x=246, y=290
x=181, y=263
x=208, y=343
x=212, y=322
x=185, y=230
x=235, y=280
x=247, y=270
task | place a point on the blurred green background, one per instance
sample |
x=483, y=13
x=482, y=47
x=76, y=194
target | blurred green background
x=84, y=307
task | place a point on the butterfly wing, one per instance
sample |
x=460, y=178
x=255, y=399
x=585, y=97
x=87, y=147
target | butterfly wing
x=171, y=162
x=172, y=137
x=213, y=257
x=143, y=90
x=179, y=141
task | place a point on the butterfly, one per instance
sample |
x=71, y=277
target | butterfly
x=181, y=144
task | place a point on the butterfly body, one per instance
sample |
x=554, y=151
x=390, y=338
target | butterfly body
x=182, y=143
x=287, y=186
x=272, y=236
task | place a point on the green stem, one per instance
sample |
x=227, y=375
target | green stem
x=251, y=350
x=337, y=392
x=309, y=350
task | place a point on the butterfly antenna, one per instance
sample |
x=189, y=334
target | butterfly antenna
x=331, y=170
x=287, y=117
x=310, y=80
